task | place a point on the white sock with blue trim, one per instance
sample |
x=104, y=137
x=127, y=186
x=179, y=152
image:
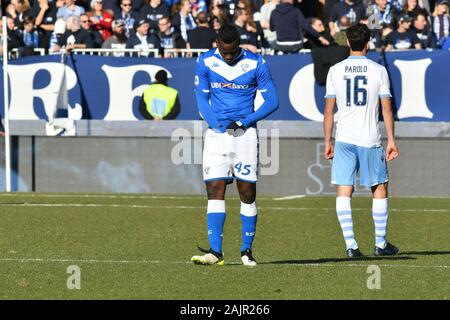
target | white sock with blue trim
x=380, y=218
x=344, y=213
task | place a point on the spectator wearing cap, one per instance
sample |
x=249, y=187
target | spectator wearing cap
x=75, y=37
x=69, y=9
x=159, y=101
x=426, y=36
x=153, y=11
x=142, y=38
x=127, y=14
x=93, y=32
x=100, y=19
x=202, y=37
x=403, y=38
x=183, y=20
x=118, y=40
x=353, y=9
x=441, y=21
x=169, y=36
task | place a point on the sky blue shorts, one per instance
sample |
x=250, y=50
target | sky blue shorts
x=350, y=159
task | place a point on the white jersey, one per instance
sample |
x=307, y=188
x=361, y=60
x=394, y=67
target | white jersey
x=357, y=83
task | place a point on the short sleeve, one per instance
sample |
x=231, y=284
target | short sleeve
x=385, y=90
x=331, y=91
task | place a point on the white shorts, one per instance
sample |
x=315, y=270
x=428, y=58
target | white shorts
x=226, y=157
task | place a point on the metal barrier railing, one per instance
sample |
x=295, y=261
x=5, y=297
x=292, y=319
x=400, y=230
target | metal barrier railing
x=167, y=53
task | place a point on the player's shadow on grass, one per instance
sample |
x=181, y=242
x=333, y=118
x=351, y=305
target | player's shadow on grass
x=423, y=253
x=331, y=260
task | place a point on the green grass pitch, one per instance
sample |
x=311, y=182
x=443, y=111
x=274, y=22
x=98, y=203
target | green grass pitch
x=139, y=247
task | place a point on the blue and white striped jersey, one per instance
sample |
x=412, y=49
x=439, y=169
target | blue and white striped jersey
x=226, y=93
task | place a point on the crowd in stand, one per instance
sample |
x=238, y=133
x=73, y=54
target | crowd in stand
x=282, y=25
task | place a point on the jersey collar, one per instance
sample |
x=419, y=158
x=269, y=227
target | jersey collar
x=239, y=57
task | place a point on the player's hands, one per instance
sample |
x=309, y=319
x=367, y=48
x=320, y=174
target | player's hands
x=236, y=129
x=391, y=151
x=329, y=151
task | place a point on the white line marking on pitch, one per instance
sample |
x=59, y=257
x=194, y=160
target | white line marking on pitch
x=298, y=196
x=143, y=206
x=107, y=261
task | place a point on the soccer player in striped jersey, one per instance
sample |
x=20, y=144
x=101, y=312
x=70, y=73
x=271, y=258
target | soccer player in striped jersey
x=356, y=85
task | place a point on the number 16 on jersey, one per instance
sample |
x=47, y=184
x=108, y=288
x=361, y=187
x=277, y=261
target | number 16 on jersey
x=356, y=86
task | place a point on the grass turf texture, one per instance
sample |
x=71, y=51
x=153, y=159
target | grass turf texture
x=139, y=247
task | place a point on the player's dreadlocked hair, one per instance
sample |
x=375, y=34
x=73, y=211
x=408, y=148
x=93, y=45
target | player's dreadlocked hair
x=358, y=36
x=228, y=34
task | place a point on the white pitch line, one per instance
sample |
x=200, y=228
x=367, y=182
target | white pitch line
x=108, y=261
x=144, y=206
x=298, y=196
x=114, y=196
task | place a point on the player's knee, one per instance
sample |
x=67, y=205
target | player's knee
x=215, y=190
x=380, y=191
x=247, y=194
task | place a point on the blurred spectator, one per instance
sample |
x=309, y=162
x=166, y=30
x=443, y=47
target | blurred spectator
x=95, y=34
x=266, y=11
x=397, y=5
x=202, y=37
x=218, y=14
x=2, y=130
x=30, y=37
x=441, y=21
x=69, y=9
x=155, y=10
x=340, y=36
x=75, y=37
x=327, y=8
x=198, y=6
x=159, y=101
x=403, y=38
x=377, y=36
x=118, y=40
x=319, y=27
x=247, y=34
x=288, y=22
x=100, y=19
x=13, y=40
x=353, y=9
x=142, y=38
x=427, y=37
x=184, y=20
x=384, y=13
x=413, y=8
x=127, y=14
x=169, y=36
x=45, y=14
x=58, y=31
x=18, y=10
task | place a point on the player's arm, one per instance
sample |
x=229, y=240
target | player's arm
x=269, y=93
x=328, y=119
x=391, y=148
x=328, y=123
x=202, y=93
x=388, y=116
